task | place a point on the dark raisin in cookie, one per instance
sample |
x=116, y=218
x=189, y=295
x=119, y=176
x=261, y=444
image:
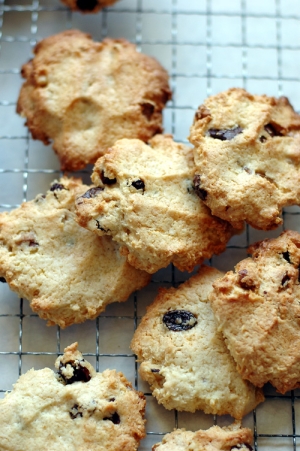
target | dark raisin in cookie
x=257, y=309
x=183, y=356
x=247, y=155
x=72, y=407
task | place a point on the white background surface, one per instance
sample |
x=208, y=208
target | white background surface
x=207, y=46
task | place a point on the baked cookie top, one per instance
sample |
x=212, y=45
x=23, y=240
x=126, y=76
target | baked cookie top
x=231, y=438
x=257, y=309
x=88, y=6
x=183, y=356
x=247, y=155
x=84, y=95
x=74, y=409
x=146, y=201
x=67, y=273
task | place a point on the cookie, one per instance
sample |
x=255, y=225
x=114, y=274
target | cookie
x=84, y=95
x=67, y=273
x=88, y=6
x=247, y=155
x=257, y=309
x=183, y=355
x=76, y=408
x=147, y=203
x=230, y=438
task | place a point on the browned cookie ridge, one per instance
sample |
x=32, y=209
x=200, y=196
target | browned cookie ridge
x=247, y=155
x=230, y=438
x=257, y=309
x=83, y=95
x=67, y=273
x=146, y=201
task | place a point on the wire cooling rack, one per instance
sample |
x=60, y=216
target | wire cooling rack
x=207, y=46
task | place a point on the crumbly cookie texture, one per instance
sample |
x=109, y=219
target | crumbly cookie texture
x=183, y=356
x=231, y=438
x=74, y=409
x=247, y=155
x=66, y=272
x=88, y=6
x=257, y=309
x=84, y=95
x=146, y=201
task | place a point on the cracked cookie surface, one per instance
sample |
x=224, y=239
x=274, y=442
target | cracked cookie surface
x=67, y=273
x=183, y=356
x=77, y=408
x=247, y=155
x=147, y=202
x=257, y=309
x=84, y=95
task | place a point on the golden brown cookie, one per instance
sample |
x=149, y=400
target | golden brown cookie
x=84, y=95
x=183, y=356
x=76, y=409
x=88, y=6
x=257, y=308
x=247, y=155
x=147, y=203
x=67, y=273
x=231, y=438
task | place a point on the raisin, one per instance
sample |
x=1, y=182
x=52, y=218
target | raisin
x=138, y=184
x=74, y=412
x=114, y=418
x=245, y=281
x=80, y=373
x=286, y=256
x=92, y=192
x=262, y=139
x=147, y=110
x=2, y=280
x=32, y=243
x=57, y=187
x=224, y=135
x=112, y=399
x=106, y=180
x=199, y=191
x=154, y=370
x=285, y=280
x=273, y=129
x=178, y=320
x=86, y=5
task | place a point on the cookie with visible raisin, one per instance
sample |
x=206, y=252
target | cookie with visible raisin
x=230, y=438
x=183, y=356
x=67, y=273
x=148, y=204
x=257, y=309
x=88, y=6
x=77, y=408
x=83, y=95
x=247, y=155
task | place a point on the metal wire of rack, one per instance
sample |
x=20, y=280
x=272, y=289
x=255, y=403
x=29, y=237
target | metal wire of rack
x=207, y=46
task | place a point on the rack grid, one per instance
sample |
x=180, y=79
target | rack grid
x=207, y=46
